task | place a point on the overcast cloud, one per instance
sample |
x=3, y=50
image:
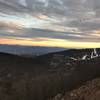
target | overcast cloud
x=75, y=20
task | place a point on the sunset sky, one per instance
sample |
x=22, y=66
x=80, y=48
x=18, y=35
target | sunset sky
x=54, y=23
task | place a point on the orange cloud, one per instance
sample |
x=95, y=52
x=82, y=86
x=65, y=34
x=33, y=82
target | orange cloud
x=41, y=16
x=11, y=25
x=96, y=31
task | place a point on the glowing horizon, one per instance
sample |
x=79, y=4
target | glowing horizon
x=48, y=42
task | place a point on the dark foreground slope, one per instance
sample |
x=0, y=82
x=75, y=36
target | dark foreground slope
x=88, y=91
x=43, y=77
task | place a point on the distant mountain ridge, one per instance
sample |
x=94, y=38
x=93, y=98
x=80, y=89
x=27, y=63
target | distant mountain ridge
x=69, y=57
x=28, y=50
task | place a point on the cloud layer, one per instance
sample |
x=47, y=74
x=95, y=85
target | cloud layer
x=69, y=20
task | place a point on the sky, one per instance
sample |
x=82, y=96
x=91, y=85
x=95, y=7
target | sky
x=54, y=23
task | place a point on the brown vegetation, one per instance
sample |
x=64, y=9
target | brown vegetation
x=35, y=79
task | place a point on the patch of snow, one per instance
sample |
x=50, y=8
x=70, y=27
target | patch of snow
x=74, y=59
x=94, y=54
x=84, y=57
